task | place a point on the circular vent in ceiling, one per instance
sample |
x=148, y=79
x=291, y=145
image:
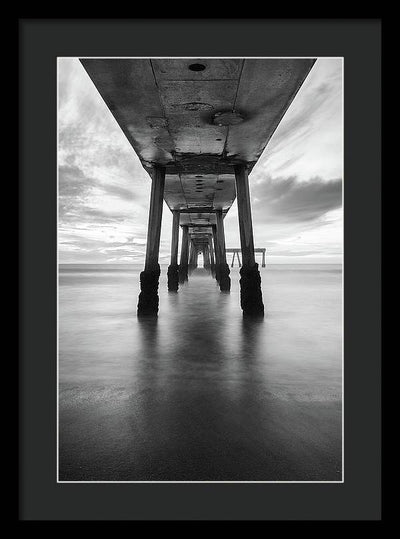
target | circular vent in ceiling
x=227, y=118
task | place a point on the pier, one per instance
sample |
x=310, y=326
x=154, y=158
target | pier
x=199, y=127
x=189, y=382
x=236, y=252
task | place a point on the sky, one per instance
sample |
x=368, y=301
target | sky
x=295, y=187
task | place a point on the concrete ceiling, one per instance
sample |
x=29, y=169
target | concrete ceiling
x=171, y=110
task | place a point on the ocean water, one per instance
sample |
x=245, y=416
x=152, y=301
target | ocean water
x=200, y=394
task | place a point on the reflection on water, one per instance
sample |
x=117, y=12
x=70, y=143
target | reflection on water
x=200, y=393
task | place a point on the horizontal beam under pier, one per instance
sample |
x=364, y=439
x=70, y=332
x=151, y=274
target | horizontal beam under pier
x=198, y=210
x=239, y=250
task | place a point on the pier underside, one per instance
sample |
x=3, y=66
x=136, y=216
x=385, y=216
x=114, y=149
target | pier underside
x=199, y=126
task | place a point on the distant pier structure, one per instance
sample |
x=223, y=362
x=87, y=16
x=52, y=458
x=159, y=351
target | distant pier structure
x=198, y=127
x=237, y=251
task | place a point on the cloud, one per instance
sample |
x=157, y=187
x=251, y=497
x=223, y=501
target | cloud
x=317, y=100
x=75, y=192
x=282, y=200
x=308, y=141
x=300, y=122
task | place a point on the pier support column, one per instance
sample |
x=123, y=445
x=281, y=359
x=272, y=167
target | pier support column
x=173, y=275
x=195, y=256
x=183, y=266
x=212, y=259
x=223, y=268
x=191, y=256
x=149, y=278
x=216, y=252
x=250, y=283
x=263, y=259
x=206, y=257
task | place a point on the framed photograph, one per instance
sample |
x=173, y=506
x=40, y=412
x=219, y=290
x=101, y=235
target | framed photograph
x=200, y=321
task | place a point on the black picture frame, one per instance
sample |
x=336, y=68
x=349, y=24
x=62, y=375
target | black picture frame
x=358, y=41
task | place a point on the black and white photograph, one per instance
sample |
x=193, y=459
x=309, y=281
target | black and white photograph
x=200, y=269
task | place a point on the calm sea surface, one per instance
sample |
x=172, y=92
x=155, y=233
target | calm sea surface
x=200, y=394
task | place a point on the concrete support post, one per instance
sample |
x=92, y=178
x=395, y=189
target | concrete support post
x=206, y=256
x=183, y=266
x=250, y=283
x=212, y=258
x=149, y=278
x=192, y=256
x=223, y=268
x=173, y=275
x=216, y=252
x=263, y=259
